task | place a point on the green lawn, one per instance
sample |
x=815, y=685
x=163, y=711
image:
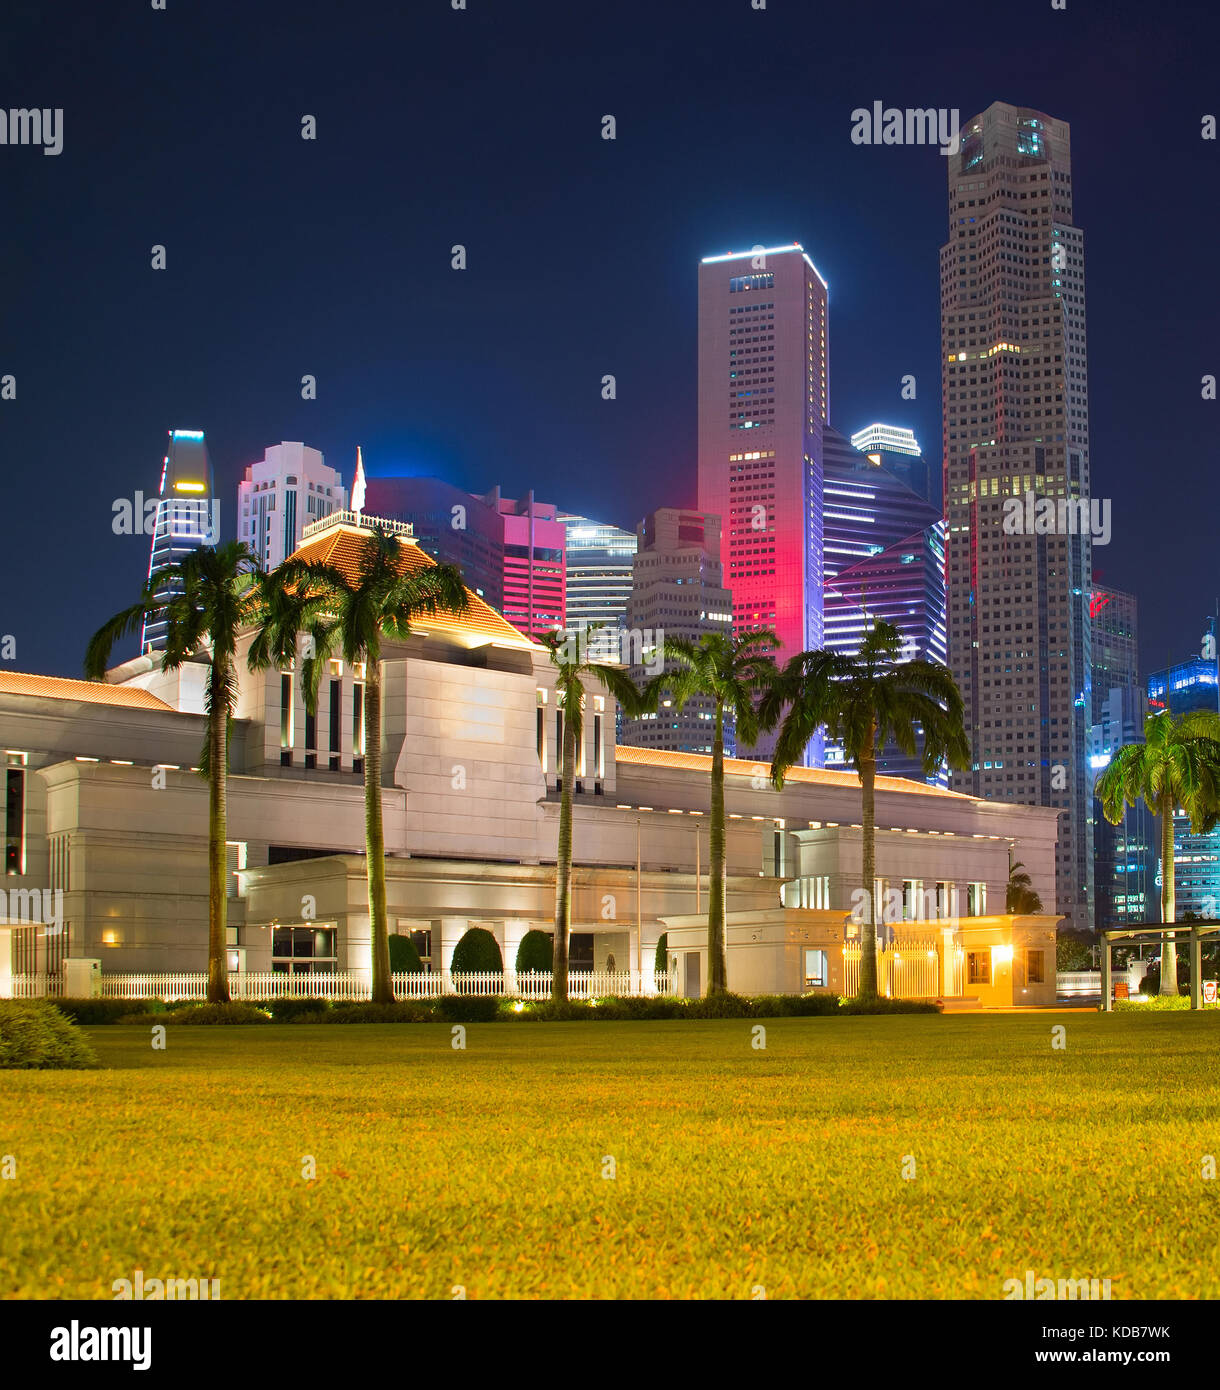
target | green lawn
x=735, y=1167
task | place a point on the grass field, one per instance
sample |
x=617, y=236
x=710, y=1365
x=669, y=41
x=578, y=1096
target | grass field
x=734, y=1167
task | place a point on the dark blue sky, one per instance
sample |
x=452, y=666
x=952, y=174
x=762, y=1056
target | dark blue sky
x=482, y=127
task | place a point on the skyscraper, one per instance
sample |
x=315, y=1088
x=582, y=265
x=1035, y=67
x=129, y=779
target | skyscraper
x=510, y=552
x=1015, y=424
x=188, y=516
x=1181, y=689
x=598, y=560
x=287, y=489
x=677, y=591
x=762, y=410
x=1124, y=855
x=1116, y=662
x=898, y=450
x=884, y=558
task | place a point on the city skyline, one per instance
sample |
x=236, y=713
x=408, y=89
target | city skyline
x=88, y=324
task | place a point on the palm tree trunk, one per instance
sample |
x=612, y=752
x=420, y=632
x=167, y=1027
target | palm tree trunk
x=717, y=883
x=374, y=838
x=563, y=865
x=868, y=931
x=218, y=760
x=1169, y=950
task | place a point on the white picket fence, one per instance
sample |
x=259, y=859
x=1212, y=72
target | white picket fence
x=910, y=970
x=351, y=986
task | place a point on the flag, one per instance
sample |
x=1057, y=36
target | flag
x=358, y=485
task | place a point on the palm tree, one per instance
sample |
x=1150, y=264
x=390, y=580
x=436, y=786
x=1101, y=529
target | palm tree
x=570, y=653
x=1020, y=896
x=204, y=599
x=332, y=612
x=734, y=673
x=1178, y=764
x=866, y=701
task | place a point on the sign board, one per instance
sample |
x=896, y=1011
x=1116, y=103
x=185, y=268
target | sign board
x=1209, y=991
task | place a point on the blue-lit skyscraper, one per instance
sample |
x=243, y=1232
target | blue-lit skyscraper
x=1191, y=685
x=883, y=558
x=1124, y=855
x=188, y=515
x=897, y=449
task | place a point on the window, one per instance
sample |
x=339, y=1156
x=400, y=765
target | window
x=912, y=889
x=311, y=738
x=336, y=706
x=285, y=719
x=1035, y=969
x=357, y=728
x=978, y=967
x=14, y=813
x=235, y=858
x=302, y=950
x=976, y=900
x=752, y=282
x=816, y=971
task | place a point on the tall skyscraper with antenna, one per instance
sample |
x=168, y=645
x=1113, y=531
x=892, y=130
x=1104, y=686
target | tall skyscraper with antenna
x=1016, y=422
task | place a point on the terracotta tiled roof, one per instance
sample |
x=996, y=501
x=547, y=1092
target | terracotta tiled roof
x=88, y=692
x=340, y=545
x=743, y=767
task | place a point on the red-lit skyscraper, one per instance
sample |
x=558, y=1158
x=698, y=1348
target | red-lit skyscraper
x=510, y=551
x=762, y=409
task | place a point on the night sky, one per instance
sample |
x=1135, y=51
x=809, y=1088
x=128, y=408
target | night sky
x=483, y=127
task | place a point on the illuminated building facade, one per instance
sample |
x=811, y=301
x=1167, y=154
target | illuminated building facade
x=510, y=552
x=1124, y=855
x=287, y=490
x=598, y=560
x=883, y=558
x=188, y=516
x=1191, y=685
x=1016, y=421
x=762, y=410
x=677, y=590
x=897, y=449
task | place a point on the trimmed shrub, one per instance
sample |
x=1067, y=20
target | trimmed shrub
x=468, y=1008
x=95, y=1011
x=404, y=958
x=1169, y=1003
x=289, y=1010
x=632, y=1007
x=723, y=1005
x=214, y=1013
x=795, y=1005
x=478, y=950
x=35, y=1034
x=660, y=962
x=404, y=1011
x=536, y=951
x=888, y=1006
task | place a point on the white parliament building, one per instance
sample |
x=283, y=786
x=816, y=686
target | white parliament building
x=102, y=805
